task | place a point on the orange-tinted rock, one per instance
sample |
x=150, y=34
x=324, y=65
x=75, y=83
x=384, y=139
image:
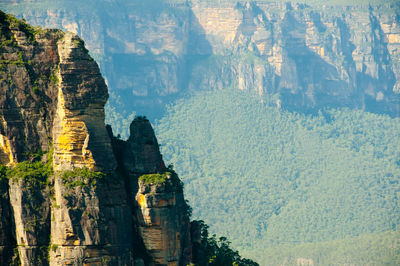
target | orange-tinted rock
x=52, y=98
x=163, y=221
x=80, y=137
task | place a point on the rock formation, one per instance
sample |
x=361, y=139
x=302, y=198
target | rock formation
x=69, y=195
x=160, y=218
x=309, y=56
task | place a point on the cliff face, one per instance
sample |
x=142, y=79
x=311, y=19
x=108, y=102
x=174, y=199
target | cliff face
x=160, y=217
x=69, y=197
x=308, y=57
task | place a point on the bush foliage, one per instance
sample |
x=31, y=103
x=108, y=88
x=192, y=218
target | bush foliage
x=81, y=177
x=33, y=171
x=213, y=251
x=158, y=178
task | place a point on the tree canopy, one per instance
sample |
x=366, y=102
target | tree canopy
x=267, y=177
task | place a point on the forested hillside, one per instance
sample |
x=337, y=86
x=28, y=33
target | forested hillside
x=282, y=178
x=319, y=185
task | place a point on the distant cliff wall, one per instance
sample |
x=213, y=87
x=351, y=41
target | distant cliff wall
x=308, y=57
x=68, y=195
x=311, y=56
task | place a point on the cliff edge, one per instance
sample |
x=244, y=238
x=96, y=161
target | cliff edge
x=307, y=57
x=70, y=192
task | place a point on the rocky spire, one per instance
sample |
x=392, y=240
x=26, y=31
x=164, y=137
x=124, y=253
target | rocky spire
x=70, y=194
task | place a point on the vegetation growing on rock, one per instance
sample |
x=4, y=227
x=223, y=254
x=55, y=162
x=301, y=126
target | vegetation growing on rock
x=3, y=172
x=33, y=172
x=155, y=179
x=81, y=177
x=21, y=25
x=70, y=212
x=211, y=250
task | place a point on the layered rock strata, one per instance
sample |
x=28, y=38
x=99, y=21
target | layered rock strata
x=307, y=56
x=312, y=57
x=161, y=213
x=163, y=228
x=80, y=138
x=69, y=196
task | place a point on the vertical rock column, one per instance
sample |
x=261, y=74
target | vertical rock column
x=161, y=211
x=31, y=209
x=163, y=221
x=91, y=220
x=79, y=133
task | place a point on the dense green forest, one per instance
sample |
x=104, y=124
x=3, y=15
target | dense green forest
x=273, y=180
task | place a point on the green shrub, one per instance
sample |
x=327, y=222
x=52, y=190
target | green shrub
x=35, y=90
x=154, y=179
x=213, y=251
x=3, y=172
x=53, y=78
x=8, y=43
x=31, y=172
x=21, y=25
x=80, y=177
x=20, y=58
x=11, y=62
x=53, y=247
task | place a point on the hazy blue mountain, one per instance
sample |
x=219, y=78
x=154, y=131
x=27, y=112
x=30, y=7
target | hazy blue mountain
x=336, y=53
x=281, y=118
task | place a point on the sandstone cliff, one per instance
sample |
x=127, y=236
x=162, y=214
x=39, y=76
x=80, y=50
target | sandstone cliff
x=306, y=56
x=70, y=192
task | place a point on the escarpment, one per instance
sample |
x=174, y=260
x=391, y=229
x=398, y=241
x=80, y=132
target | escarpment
x=70, y=192
x=306, y=56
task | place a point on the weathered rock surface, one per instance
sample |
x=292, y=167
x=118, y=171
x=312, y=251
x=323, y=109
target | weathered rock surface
x=7, y=238
x=56, y=207
x=165, y=231
x=91, y=223
x=142, y=153
x=160, y=211
x=80, y=138
x=31, y=214
x=312, y=57
x=309, y=57
x=27, y=90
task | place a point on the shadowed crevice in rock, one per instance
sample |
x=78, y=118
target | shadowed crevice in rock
x=7, y=226
x=161, y=222
x=75, y=214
